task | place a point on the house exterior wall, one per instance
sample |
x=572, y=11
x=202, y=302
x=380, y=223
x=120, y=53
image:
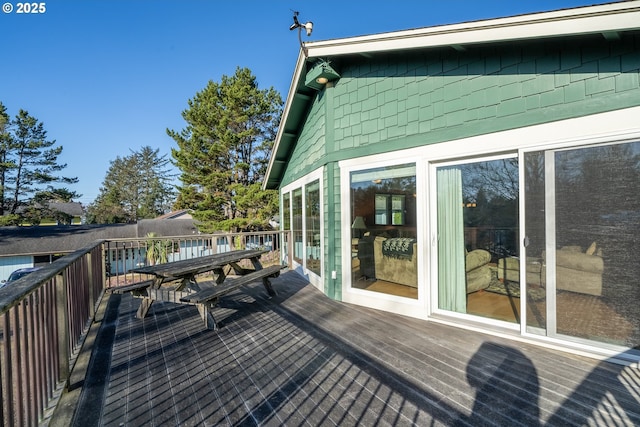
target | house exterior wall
x=402, y=101
x=333, y=242
x=12, y=263
x=310, y=150
x=405, y=100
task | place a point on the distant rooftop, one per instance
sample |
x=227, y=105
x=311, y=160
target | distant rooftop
x=181, y=214
x=37, y=240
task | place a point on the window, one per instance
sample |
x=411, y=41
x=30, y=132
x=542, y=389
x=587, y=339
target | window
x=582, y=216
x=383, y=223
x=382, y=209
x=297, y=225
x=397, y=210
x=312, y=218
x=302, y=212
x=477, y=227
x=286, y=221
x=389, y=209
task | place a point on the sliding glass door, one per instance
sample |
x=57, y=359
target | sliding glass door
x=583, y=227
x=296, y=229
x=477, y=236
x=302, y=211
x=312, y=227
x=573, y=271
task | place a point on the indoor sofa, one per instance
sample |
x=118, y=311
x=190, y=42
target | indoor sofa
x=396, y=265
x=478, y=272
x=576, y=270
x=579, y=271
x=402, y=268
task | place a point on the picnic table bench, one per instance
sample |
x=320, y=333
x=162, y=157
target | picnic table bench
x=186, y=289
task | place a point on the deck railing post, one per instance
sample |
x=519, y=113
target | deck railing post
x=64, y=354
x=289, y=249
x=105, y=254
x=88, y=260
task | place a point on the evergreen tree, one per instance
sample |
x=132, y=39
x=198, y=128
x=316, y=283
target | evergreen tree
x=223, y=153
x=5, y=139
x=28, y=167
x=135, y=187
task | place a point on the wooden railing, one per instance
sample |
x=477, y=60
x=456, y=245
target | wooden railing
x=45, y=316
x=124, y=254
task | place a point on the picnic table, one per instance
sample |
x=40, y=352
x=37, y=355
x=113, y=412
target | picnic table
x=176, y=281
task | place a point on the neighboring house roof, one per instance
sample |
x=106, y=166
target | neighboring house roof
x=181, y=214
x=69, y=208
x=166, y=227
x=43, y=240
x=608, y=20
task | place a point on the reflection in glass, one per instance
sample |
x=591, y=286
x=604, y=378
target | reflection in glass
x=597, y=234
x=587, y=199
x=297, y=225
x=477, y=224
x=312, y=200
x=383, y=225
x=286, y=221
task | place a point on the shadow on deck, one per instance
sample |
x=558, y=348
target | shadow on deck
x=303, y=359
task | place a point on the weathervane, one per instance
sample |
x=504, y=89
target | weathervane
x=307, y=26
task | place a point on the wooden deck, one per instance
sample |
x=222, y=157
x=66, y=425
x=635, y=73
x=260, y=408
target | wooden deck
x=303, y=359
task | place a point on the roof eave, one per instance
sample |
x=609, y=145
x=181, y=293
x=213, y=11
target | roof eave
x=606, y=19
x=568, y=22
x=282, y=128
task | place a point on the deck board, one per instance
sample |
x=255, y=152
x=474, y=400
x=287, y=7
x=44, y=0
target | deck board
x=300, y=358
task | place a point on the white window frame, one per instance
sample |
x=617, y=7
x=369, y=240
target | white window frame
x=301, y=183
x=396, y=304
x=433, y=166
x=612, y=127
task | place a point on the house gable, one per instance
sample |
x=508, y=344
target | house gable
x=433, y=90
x=466, y=146
x=310, y=149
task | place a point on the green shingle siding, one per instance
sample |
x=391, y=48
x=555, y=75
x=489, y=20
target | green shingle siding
x=512, y=106
x=597, y=85
x=627, y=82
x=558, y=81
x=511, y=91
x=574, y=92
x=333, y=240
x=548, y=99
x=310, y=149
x=507, y=82
x=630, y=62
x=406, y=100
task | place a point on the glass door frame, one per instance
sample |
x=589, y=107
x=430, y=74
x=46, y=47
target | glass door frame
x=417, y=308
x=550, y=329
x=317, y=175
x=434, y=309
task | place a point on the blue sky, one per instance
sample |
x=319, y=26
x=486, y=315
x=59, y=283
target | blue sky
x=108, y=77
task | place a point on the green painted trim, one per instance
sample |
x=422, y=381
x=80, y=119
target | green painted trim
x=547, y=115
x=331, y=288
x=329, y=122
